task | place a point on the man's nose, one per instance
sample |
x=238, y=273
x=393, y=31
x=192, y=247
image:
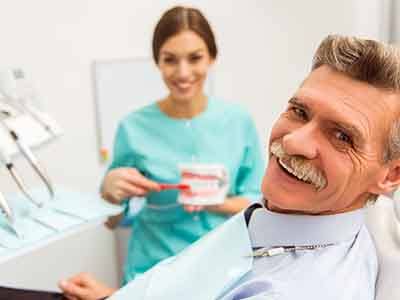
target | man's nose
x=301, y=141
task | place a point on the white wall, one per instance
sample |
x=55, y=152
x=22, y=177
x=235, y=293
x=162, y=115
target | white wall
x=265, y=48
x=395, y=22
x=265, y=51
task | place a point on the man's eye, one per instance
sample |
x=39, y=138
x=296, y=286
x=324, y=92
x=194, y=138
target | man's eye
x=299, y=112
x=343, y=137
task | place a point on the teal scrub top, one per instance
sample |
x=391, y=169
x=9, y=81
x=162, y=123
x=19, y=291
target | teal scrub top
x=155, y=144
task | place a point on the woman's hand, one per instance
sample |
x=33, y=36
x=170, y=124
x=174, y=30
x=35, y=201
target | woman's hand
x=84, y=287
x=193, y=208
x=124, y=183
x=230, y=206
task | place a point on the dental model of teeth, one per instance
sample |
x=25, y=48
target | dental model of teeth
x=208, y=184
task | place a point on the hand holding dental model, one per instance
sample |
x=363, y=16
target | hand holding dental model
x=201, y=185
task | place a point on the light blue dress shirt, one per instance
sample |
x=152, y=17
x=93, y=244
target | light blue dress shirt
x=345, y=270
x=155, y=144
x=219, y=266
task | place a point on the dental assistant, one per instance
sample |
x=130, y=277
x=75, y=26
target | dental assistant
x=186, y=126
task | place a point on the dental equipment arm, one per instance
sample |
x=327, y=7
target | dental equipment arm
x=17, y=93
x=18, y=180
x=8, y=213
x=6, y=209
x=27, y=152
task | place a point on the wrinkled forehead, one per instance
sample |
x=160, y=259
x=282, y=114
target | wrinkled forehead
x=336, y=97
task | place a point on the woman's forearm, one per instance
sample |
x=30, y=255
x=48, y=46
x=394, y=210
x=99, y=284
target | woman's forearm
x=231, y=206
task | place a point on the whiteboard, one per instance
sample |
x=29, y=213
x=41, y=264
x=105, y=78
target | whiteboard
x=122, y=86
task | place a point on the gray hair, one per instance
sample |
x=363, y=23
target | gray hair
x=369, y=61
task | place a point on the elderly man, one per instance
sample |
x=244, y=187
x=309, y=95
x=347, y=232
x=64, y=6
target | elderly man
x=334, y=148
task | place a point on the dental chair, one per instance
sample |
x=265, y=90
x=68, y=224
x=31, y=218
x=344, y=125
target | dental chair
x=383, y=221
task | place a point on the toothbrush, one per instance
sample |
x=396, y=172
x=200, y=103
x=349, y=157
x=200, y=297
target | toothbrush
x=172, y=186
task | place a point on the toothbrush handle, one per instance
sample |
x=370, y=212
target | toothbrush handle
x=179, y=186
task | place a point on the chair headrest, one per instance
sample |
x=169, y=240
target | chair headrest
x=395, y=196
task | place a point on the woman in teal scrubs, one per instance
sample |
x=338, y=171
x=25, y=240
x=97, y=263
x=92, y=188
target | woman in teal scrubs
x=186, y=126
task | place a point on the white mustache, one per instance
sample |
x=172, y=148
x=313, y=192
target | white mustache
x=298, y=166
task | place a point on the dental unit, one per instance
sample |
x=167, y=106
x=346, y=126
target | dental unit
x=17, y=93
x=5, y=208
x=27, y=152
x=6, y=160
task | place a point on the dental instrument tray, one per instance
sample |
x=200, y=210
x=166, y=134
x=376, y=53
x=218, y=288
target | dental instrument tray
x=68, y=213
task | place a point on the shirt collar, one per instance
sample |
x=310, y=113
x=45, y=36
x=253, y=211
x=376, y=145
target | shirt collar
x=268, y=229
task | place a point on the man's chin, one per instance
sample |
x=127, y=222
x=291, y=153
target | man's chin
x=282, y=202
x=286, y=209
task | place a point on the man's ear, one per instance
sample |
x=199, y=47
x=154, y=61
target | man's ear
x=389, y=179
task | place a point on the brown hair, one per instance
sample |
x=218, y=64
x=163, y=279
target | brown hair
x=181, y=18
x=369, y=61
